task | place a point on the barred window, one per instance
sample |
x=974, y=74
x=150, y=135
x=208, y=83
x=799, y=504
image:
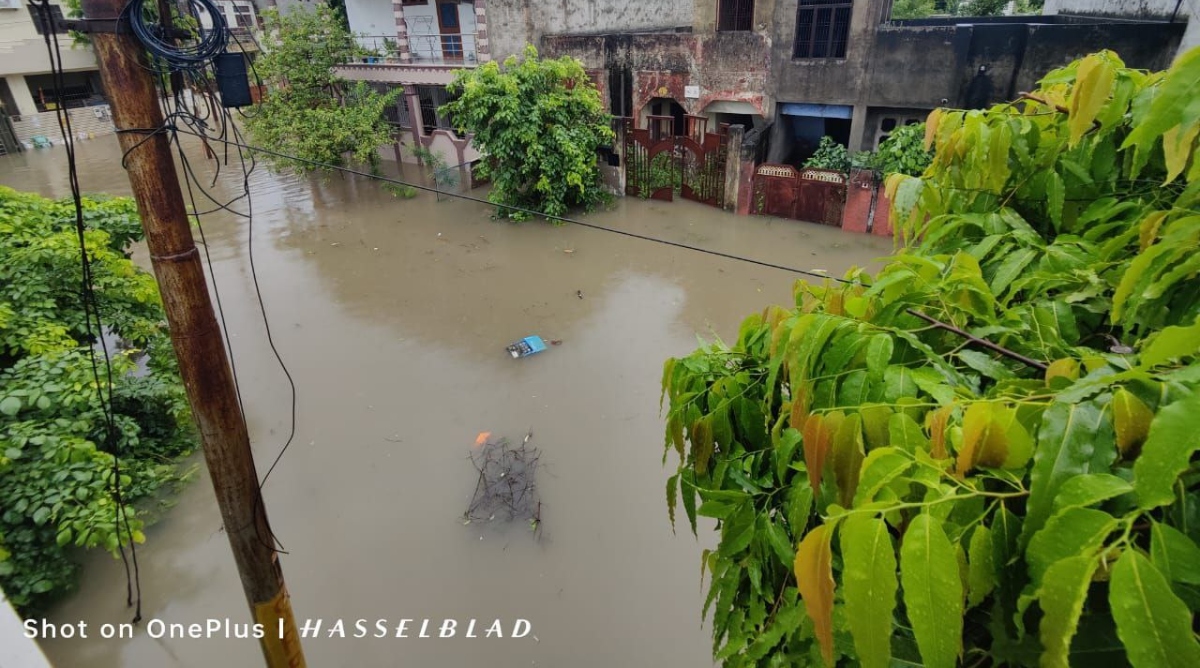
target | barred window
x=822, y=29
x=735, y=15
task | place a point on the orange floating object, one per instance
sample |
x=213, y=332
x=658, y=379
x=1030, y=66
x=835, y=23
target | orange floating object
x=482, y=437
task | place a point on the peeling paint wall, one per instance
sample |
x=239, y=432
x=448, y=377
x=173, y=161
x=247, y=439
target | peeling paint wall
x=730, y=67
x=515, y=23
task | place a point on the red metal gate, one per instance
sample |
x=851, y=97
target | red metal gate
x=813, y=195
x=657, y=163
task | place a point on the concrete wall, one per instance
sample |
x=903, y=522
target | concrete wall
x=1189, y=11
x=514, y=23
x=23, y=50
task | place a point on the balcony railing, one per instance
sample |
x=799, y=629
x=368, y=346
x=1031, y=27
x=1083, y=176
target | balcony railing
x=424, y=49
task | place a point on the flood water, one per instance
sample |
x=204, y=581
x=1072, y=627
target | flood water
x=392, y=317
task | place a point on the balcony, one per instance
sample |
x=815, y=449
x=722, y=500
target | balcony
x=432, y=58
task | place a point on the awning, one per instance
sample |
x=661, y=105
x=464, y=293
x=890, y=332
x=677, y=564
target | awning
x=730, y=107
x=817, y=110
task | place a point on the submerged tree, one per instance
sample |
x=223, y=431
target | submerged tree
x=986, y=454
x=540, y=123
x=311, y=113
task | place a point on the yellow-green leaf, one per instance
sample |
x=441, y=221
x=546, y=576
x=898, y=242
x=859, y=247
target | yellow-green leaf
x=1172, y=441
x=814, y=580
x=1177, y=148
x=1153, y=624
x=875, y=425
x=879, y=469
x=1061, y=597
x=931, y=125
x=702, y=443
x=1093, y=86
x=1148, y=228
x=1066, y=367
x=932, y=591
x=869, y=581
x=1088, y=490
x=904, y=433
x=1131, y=418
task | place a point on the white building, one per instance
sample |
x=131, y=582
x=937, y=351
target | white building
x=27, y=89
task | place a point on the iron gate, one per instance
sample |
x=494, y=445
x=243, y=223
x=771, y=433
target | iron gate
x=658, y=162
x=813, y=195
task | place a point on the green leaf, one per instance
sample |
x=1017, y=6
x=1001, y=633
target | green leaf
x=41, y=515
x=1177, y=100
x=904, y=433
x=1066, y=444
x=10, y=406
x=1131, y=419
x=1088, y=490
x=1061, y=598
x=1011, y=268
x=1076, y=531
x=981, y=568
x=879, y=354
x=737, y=531
x=879, y=469
x=1174, y=554
x=1055, y=195
x=672, y=498
x=985, y=364
x=779, y=543
x=869, y=579
x=848, y=453
x=932, y=591
x=1154, y=625
x=1171, y=343
x=1174, y=438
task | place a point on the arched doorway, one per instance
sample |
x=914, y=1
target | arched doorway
x=663, y=107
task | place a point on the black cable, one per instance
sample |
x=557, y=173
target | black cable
x=160, y=41
x=510, y=207
x=91, y=307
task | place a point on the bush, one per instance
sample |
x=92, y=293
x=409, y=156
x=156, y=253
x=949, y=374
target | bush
x=829, y=155
x=986, y=453
x=541, y=124
x=56, y=479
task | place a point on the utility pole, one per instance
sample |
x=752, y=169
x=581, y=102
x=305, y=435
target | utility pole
x=195, y=335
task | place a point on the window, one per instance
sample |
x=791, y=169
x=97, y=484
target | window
x=822, y=27
x=414, y=2
x=432, y=97
x=735, y=15
x=243, y=16
x=56, y=16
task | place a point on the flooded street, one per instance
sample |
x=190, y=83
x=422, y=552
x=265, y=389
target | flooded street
x=392, y=316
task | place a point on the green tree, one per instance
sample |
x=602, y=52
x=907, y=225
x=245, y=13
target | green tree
x=56, y=475
x=982, y=7
x=540, y=124
x=985, y=454
x=311, y=113
x=912, y=9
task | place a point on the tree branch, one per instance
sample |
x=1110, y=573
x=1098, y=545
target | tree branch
x=1028, y=361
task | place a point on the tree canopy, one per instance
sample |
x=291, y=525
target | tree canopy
x=539, y=124
x=984, y=454
x=56, y=462
x=310, y=112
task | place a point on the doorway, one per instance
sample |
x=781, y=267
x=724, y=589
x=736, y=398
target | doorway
x=450, y=30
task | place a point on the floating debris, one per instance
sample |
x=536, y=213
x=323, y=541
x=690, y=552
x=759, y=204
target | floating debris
x=506, y=488
x=527, y=346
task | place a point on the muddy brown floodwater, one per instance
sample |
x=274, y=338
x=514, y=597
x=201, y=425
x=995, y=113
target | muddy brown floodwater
x=392, y=316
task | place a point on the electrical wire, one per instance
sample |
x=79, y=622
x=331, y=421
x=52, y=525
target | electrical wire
x=159, y=38
x=509, y=207
x=91, y=309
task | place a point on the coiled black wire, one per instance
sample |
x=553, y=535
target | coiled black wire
x=160, y=39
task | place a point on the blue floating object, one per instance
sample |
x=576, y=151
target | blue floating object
x=527, y=346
